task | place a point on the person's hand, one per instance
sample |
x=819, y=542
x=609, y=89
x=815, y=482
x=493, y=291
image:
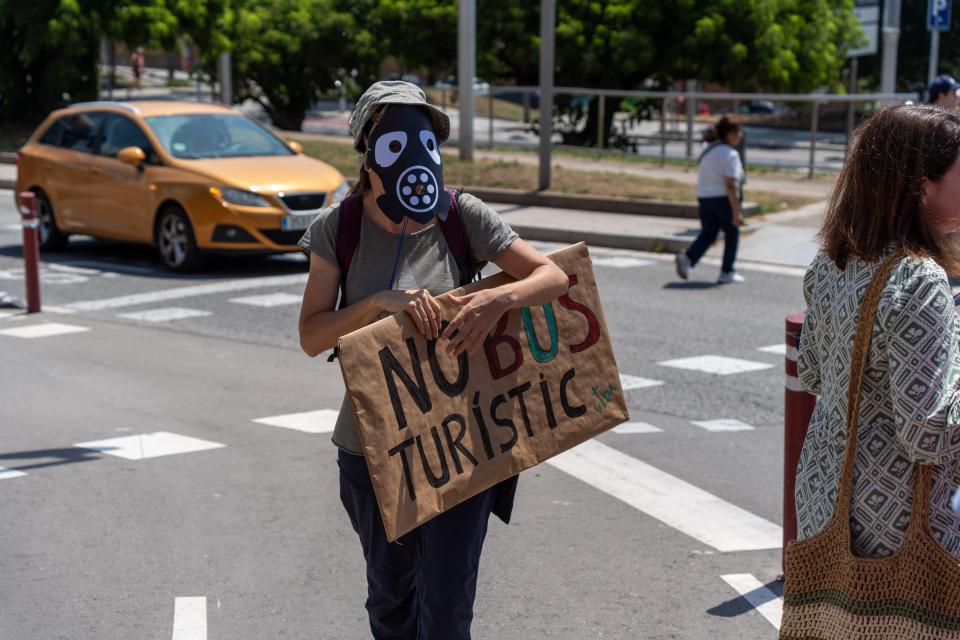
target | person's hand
x=477, y=317
x=737, y=218
x=422, y=308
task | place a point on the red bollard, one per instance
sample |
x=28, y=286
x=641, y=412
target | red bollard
x=798, y=407
x=31, y=249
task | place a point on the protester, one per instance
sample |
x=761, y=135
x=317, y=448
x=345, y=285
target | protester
x=137, y=63
x=422, y=586
x=898, y=195
x=943, y=92
x=719, y=182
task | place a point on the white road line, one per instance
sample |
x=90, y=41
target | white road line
x=166, y=314
x=269, y=300
x=631, y=428
x=149, y=445
x=43, y=330
x=725, y=424
x=191, y=291
x=321, y=421
x=190, y=618
x=778, y=349
x=719, y=365
x=635, y=382
x=66, y=268
x=619, y=262
x=6, y=474
x=765, y=601
x=689, y=509
x=58, y=310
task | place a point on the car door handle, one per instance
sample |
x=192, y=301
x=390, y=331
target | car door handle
x=95, y=169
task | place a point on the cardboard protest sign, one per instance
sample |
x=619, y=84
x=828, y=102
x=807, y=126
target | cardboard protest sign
x=438, y=429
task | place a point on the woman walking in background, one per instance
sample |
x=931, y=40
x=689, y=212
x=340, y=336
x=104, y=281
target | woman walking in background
x=719, y=179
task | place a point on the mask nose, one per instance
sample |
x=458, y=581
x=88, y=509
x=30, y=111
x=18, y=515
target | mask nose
x=417, y=189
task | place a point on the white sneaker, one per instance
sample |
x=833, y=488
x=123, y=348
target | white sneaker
x=682, y=263
x=727, y=278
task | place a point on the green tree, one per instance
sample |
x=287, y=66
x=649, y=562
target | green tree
x=286, y=53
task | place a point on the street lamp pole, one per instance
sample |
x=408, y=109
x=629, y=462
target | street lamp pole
x=547, y=30
x=891, y=39
x=466, y=70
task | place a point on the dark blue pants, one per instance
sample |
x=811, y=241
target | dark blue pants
x=421, y=587
x=716, y=214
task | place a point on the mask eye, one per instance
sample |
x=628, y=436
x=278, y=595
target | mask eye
x=388, y=148
x=429, y=142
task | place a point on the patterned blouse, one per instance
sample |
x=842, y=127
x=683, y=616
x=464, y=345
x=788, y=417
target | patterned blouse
x=910, y=407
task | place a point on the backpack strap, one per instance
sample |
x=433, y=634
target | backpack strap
x=456, y=236
x=349, y=221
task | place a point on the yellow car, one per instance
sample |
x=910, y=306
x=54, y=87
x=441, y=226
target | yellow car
x=188, y=178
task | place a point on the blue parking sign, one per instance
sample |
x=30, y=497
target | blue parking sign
x=938, y=15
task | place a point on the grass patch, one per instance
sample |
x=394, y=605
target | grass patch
x=510, y=174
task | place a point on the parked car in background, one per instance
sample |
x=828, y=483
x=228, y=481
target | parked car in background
x=763, y=107
x=189, y=178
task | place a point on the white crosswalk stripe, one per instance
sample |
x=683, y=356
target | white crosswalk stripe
x=165, y=314
x=725, y=424
x=619, y=262
x=190, y=618
x=759, y=596
x=321, y=421
x=635, y=382
x=718, y=365
x=674, y=502
x=6, y=474
x=778, y=349
x=43, y=330
x=268, y=300
x=149, y=445
x=631, y=428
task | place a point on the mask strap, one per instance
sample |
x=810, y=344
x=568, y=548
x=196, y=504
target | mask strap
x=396, y=260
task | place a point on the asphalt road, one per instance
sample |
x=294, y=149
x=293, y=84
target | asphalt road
x=237, y=532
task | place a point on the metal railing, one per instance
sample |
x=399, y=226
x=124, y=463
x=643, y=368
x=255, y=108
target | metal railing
x=670, y=119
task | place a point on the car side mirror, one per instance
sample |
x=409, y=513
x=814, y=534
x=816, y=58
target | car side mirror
x=134, y=156
x=296, y=147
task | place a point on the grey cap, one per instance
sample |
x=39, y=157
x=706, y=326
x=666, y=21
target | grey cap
x=393, y=92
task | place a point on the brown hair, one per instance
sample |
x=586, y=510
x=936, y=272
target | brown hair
x=722, y=129
x=878, y=201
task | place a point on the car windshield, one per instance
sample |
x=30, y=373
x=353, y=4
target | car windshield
x=215, y=135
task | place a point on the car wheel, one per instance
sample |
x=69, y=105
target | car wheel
x=51, y=238
x=175, y=241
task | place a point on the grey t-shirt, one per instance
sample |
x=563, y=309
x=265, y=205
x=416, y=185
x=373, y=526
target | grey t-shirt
x=425, y=263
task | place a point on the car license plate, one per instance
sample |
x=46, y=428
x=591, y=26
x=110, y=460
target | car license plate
x=295, y=223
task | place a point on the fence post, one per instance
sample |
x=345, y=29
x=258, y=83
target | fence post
x=601, y=138
x=798, y=407
x=663, y=132
x=526, y=107
x=691, y=111
x=814, y=120
x=490, y=119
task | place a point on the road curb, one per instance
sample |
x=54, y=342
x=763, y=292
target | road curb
x=604, y=204
x=8, y=184
x=661, y=244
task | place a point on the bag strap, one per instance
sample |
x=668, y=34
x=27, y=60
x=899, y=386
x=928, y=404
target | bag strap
x=348, y=238
x=710, y=147
x=858, y=366
x=455, y=235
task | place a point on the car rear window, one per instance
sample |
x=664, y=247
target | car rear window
x=81, y=131
x=52, y=135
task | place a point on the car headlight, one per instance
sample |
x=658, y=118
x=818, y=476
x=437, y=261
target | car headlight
x=341, y=192
x=229, y=195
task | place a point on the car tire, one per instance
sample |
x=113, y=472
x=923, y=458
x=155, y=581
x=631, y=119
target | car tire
x=176, y=244
x=51, y=238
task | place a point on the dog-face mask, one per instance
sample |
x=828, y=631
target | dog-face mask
x=404, y=153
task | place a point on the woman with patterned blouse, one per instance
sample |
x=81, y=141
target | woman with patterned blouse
x=898, y=191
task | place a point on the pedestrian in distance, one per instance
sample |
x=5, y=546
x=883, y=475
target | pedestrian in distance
x=881, y=458
x=413, y=240
x=943, y=92
x=720, y=178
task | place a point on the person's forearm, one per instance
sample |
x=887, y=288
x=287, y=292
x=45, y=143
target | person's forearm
x=734, y=199
x=321, y=331
x=545, y=283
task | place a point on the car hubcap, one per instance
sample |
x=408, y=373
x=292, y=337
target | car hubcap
x=173, y=240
